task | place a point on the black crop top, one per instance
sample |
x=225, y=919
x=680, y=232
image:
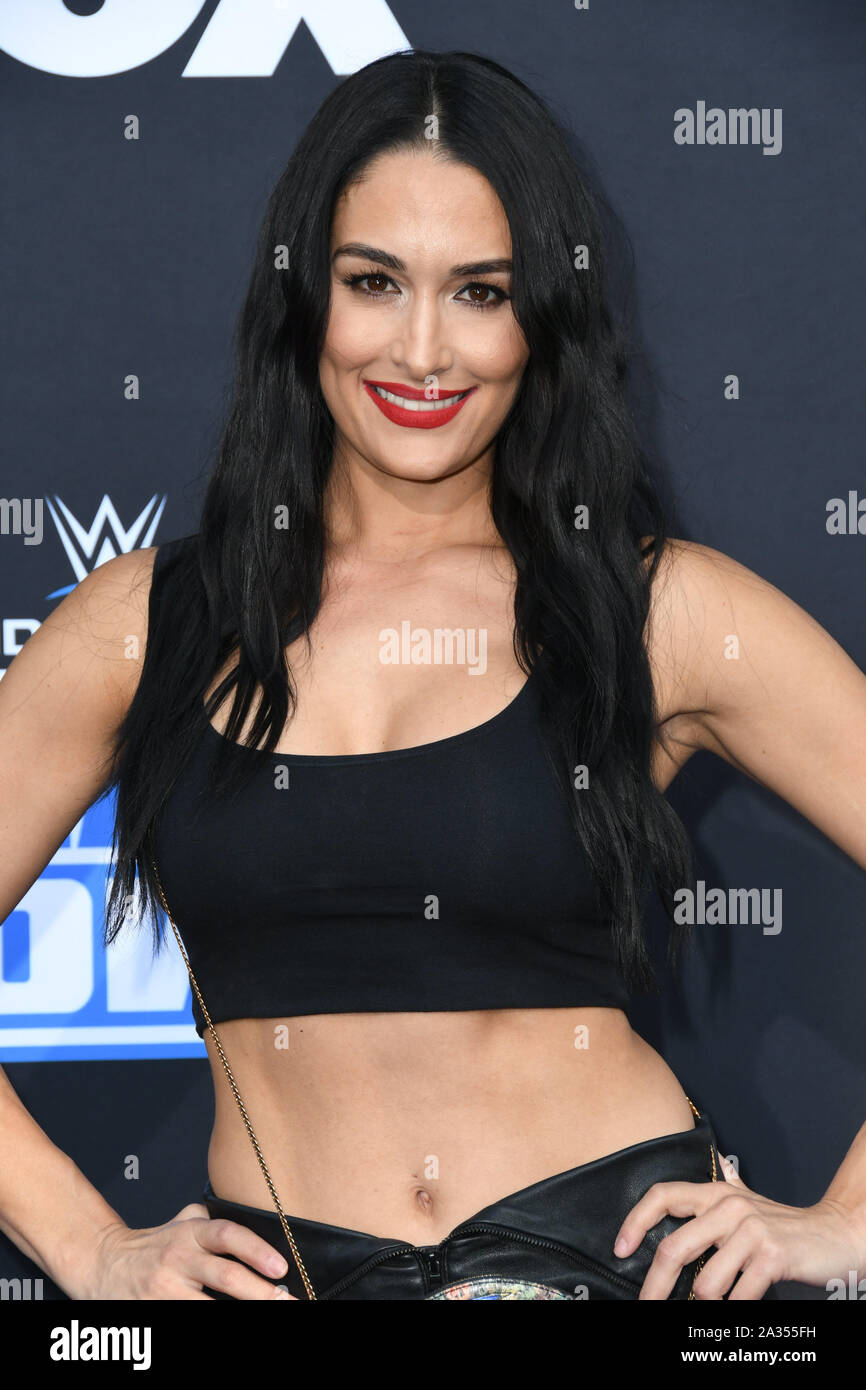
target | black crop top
x=441, y=877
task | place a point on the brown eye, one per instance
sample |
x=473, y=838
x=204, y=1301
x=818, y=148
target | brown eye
x=362, y=282
x=478, y=290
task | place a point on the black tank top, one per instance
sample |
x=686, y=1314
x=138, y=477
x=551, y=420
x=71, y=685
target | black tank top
x=446, y=876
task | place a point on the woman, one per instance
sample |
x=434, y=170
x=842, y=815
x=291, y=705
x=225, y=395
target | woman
x=433, y=596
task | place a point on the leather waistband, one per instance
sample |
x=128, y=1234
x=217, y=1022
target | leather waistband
x=558, y=1231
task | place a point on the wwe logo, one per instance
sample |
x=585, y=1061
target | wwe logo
x=88, y=548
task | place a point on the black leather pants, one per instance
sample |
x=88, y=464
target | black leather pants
x=558, y=1233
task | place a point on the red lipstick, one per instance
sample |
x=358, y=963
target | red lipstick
x=428, y=416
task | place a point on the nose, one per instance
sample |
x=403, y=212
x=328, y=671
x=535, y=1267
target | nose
x=420, y=347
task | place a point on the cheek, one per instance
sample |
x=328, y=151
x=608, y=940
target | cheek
x=496, y=352
x=351, y=338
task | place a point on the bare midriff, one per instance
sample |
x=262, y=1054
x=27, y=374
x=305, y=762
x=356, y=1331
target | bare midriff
x=404, y=1125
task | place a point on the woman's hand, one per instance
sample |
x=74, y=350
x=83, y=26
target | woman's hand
x=176, y=1260
x=759, y=1240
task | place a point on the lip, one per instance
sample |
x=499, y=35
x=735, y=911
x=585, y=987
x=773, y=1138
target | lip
x=416, y=419
x=412, y=393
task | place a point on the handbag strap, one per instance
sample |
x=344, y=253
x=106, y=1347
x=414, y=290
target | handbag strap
x=237, y=1095
x=702, y=1261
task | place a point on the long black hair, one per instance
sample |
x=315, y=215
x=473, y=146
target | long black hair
x=248, y=589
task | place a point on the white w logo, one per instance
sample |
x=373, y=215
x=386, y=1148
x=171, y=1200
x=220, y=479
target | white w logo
x=88, y=548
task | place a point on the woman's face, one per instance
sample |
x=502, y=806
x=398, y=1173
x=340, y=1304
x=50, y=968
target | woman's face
x=414, y=310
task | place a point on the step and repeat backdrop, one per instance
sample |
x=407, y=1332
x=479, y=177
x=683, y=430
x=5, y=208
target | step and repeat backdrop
x=139, y=145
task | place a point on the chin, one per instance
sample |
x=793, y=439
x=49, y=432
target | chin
x=424, y=471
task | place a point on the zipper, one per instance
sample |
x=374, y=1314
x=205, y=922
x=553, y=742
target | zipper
x=432, y=1264
x=575, y=1256
x=365, y=1268
x=429, y=1256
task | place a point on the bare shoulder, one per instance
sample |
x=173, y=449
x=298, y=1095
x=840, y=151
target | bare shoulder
x=704, y=606
x=721, y=638
x=91, y=645
x=117, y=588
x=107, y=613
x=688, y=567
x=690, y=574
x=743, y=671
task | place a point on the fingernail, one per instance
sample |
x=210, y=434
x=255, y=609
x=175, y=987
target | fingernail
x=281, y=1293
x=621, y=1245
x=277, y=1265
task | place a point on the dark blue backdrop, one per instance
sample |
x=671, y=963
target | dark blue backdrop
x=128, y=256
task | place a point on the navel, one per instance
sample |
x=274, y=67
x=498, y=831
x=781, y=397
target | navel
x=424, y=1199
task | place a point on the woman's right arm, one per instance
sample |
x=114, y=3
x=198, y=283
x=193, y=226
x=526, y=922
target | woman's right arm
x=61, y=702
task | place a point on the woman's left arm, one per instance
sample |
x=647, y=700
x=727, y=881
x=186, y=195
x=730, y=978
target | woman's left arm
x=765, y=687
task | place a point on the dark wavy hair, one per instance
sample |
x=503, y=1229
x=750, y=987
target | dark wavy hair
x=582, y=597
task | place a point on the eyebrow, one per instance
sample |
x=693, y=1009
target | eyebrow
x=373, y=253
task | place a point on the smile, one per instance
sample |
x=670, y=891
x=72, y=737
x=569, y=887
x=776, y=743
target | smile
x=414, y=411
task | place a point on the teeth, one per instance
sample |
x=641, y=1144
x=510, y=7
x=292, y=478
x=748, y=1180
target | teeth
x=418, y=405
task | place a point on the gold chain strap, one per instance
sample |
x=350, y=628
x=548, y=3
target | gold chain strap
x=703, y=1259
x=237, y=1095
